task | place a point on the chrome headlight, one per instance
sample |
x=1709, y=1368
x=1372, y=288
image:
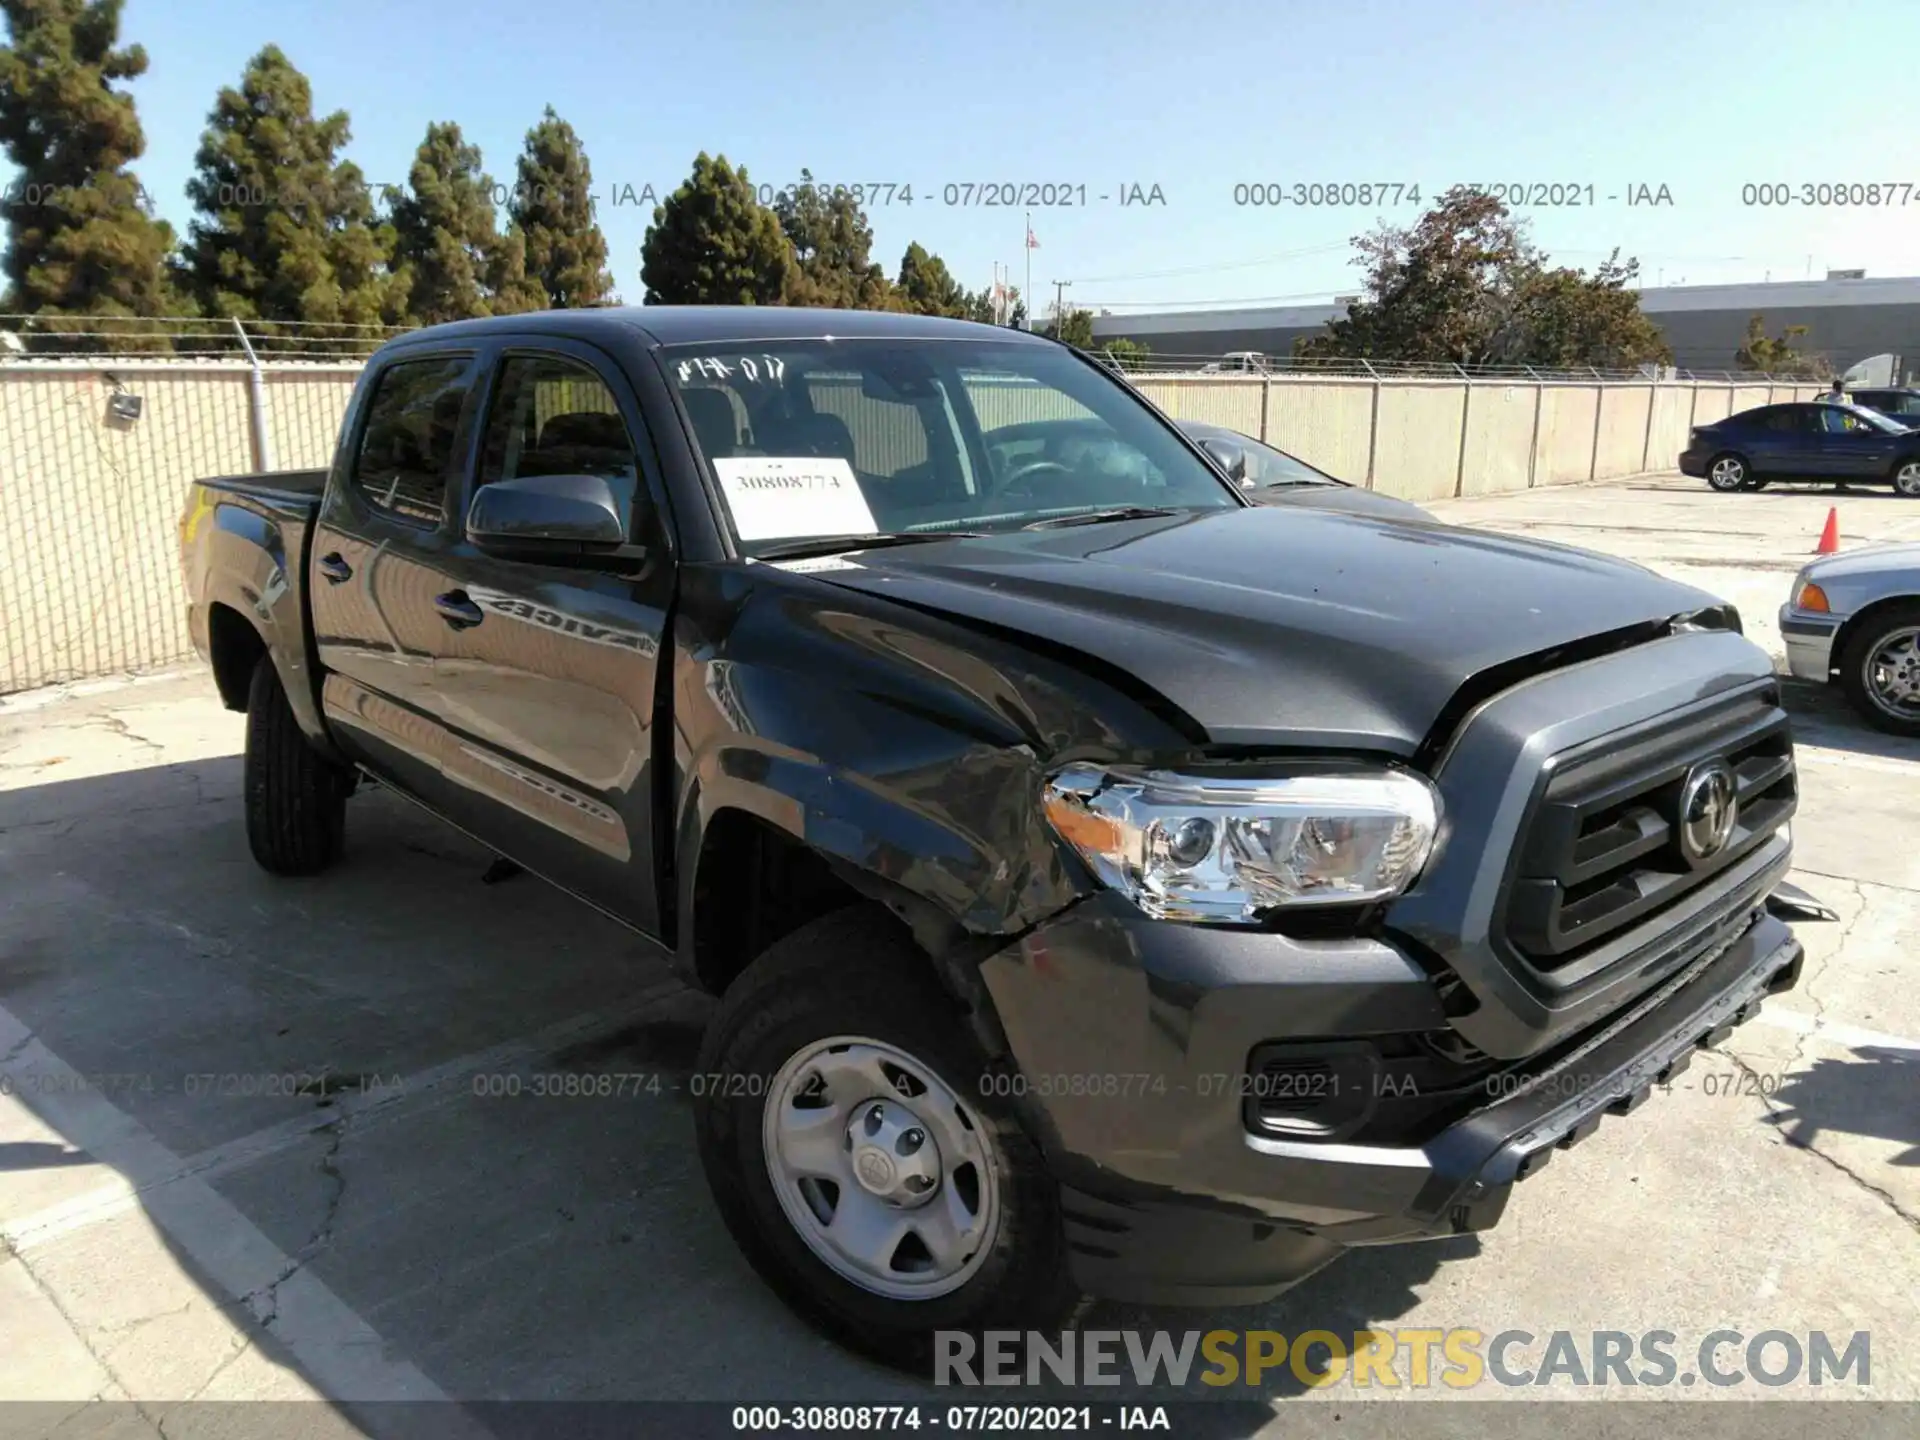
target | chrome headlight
x=1187, y=847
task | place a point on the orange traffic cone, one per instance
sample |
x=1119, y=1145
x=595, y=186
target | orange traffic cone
x=1830, y=537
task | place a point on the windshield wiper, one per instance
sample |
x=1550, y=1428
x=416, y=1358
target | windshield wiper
x=1095, y=517
x=830, y=544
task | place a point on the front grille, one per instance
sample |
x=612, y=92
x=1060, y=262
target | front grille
x=1600, y=855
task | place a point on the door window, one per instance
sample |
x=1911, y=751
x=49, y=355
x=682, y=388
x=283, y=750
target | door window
x=406, y=446
x=555, y=417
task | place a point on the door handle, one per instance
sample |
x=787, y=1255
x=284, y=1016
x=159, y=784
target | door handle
x=334, y=568
x=458, y=610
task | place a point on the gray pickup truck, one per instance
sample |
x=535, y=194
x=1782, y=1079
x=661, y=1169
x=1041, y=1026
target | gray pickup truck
x=1111, y=887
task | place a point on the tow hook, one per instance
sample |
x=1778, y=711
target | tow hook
x=1790, y=902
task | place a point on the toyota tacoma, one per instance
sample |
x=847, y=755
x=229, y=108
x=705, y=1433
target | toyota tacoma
x=1110, y=886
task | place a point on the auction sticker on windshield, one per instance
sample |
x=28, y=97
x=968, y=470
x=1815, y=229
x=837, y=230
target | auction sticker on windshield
x=777, y=496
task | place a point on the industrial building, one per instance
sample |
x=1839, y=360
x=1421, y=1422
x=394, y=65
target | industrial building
x=1848, y=318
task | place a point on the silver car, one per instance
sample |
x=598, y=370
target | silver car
x=1856, y=617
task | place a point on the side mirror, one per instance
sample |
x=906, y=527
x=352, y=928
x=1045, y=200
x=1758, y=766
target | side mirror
x=1230, y=458
x=549, y=516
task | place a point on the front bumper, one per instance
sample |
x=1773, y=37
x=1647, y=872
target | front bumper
x=1809, y=641
x=1132, y=1038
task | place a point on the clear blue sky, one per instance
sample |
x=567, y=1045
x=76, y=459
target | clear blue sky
x=1193, y=97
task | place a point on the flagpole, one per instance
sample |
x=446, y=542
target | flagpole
x=1026, y=297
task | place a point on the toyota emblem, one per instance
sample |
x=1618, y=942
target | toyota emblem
x=1709, y=808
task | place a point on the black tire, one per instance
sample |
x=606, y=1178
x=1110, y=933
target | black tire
x=1859, y=648
x=296, y=798
x=1728, y=472
x=858, y=972
x=1906, y=477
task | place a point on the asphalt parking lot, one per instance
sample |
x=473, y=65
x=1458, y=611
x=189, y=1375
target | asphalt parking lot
x=405, y=1230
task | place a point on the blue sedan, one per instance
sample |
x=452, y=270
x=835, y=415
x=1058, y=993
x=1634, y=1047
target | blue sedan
x=1808, y=441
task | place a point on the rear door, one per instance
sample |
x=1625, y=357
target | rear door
x=385, y=513
x=1780, y=439
x=546, y=675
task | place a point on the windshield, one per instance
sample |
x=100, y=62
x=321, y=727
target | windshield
x=901, y=436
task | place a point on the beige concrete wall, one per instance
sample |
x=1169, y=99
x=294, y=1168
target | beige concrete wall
x=89, y=504
x=1563, y=451
x=1623, y=431
x=1327, y=423
x=1711, y=403
x=1746, y=397
x=89, y=507
x=1416, y=452
x=1218, y=400
x=1499, y=446
x=1672, y=419
x=303, y=417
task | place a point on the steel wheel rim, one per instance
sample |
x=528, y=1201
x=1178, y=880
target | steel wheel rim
x=1726, y=474
x=903, y=1220
x=1891, y=673
x=1907, y=480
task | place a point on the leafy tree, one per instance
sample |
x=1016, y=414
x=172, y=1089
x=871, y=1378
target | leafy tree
x=925, y=286
x=552, y=207
x=286, y=230
x=979, y=305
x=1074, y=328
x=1568, y=318
x=832, y=250
x=1127, y=354
x=81, y=235
x=450, y=259
x=1777, y=355
x=712, y=243
x=1466, y=286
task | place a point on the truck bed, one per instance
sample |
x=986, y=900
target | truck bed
x=243, y=555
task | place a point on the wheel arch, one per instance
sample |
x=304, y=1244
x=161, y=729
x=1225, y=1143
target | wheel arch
x=1862, y=620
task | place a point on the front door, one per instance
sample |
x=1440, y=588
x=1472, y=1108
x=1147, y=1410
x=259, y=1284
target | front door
x=545, y=675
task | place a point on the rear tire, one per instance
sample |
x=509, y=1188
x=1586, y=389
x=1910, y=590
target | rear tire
x=296, y=799
x=1728, y=472
x=1906, y=478
x=857, y=973
x=1880, y=670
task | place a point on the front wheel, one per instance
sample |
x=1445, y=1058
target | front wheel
x=1880, y=670
x=1727, y=473
x=1906, y=478
x=859, y=1156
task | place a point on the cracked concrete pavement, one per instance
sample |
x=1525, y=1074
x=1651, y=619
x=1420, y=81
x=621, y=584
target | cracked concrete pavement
x=256, y=1138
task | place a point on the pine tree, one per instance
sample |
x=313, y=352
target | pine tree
x=81, y=235
x=925, y=286
x=449, y=257
x=286, y=230
x=712, y=243
x=552, y=206
x=832, y=250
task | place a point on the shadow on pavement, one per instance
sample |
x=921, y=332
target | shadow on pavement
x=1872, y=1095
x=1822, y=717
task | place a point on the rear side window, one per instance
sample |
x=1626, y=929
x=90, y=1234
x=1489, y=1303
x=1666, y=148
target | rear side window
x=406, y=447
x=1784, y=418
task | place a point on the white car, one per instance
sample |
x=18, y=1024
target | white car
x=1855, y=618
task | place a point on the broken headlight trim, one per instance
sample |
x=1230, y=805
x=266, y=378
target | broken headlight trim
x=1231, y=850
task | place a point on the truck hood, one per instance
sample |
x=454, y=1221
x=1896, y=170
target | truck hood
x=1278, y=626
